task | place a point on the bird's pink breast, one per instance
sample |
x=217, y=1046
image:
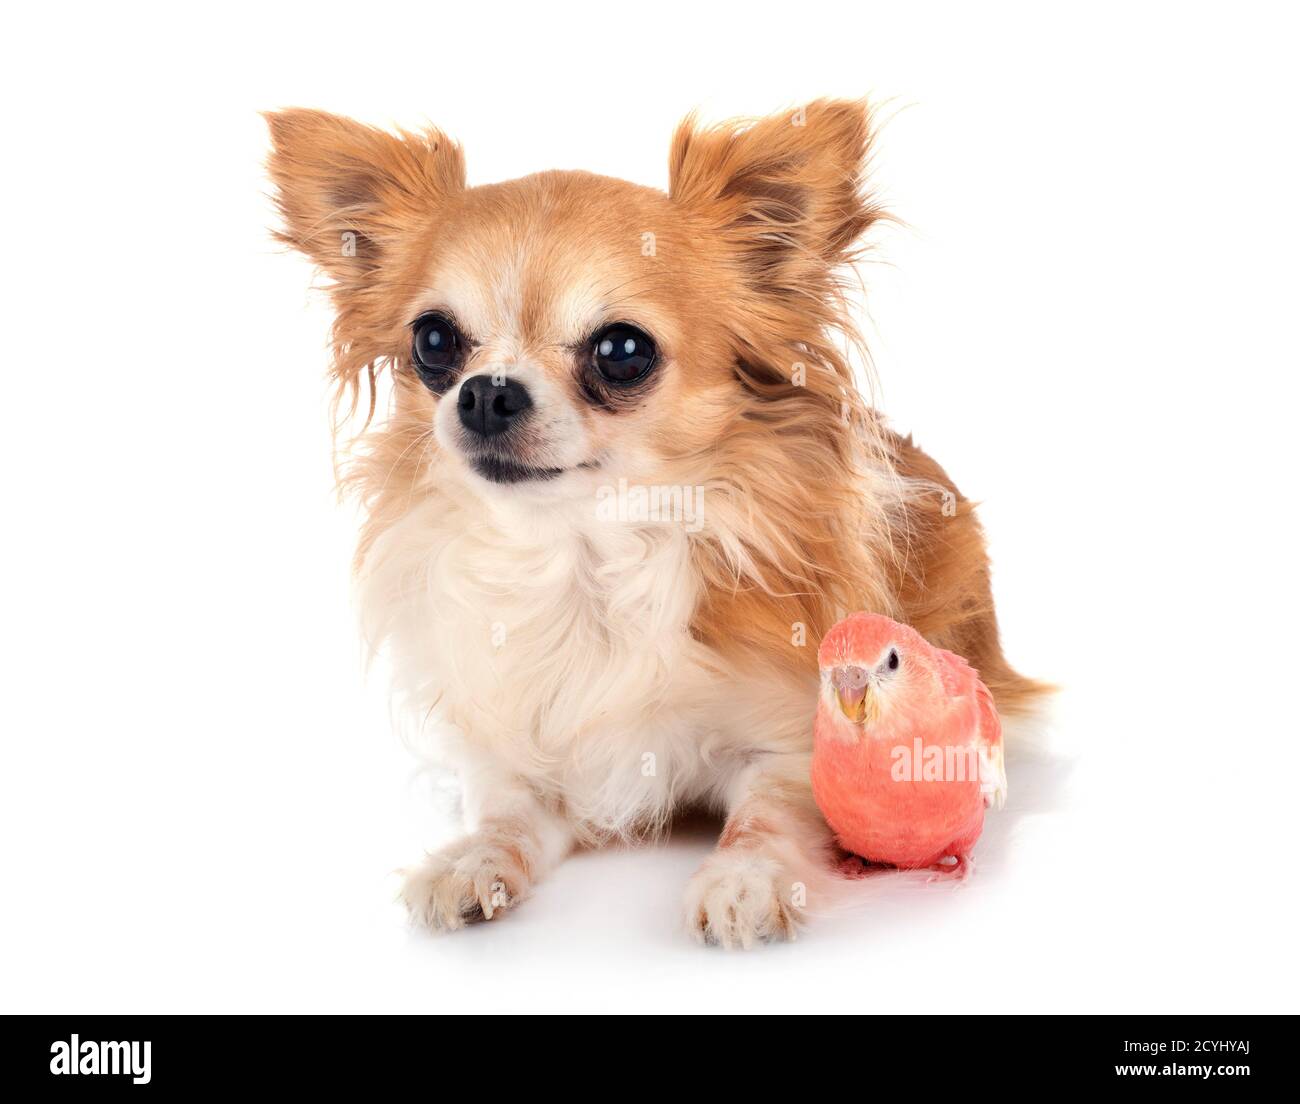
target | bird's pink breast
x=879, y=801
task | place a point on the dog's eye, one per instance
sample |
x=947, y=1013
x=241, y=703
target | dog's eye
x=622, y=353
x=436, y=347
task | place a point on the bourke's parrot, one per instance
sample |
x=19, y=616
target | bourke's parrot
x=907, y=746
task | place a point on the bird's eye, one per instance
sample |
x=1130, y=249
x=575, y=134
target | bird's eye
x=622, y=353
x=892, y=661
x=436, y=348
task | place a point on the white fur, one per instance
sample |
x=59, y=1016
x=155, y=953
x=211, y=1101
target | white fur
x=597, y=700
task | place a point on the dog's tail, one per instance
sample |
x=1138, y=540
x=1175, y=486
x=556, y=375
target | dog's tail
x=1015, y=694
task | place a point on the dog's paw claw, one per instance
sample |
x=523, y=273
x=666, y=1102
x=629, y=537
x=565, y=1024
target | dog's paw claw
x=739, y=899
x=469, y=881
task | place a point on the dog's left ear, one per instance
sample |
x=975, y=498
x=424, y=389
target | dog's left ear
x=786, y=191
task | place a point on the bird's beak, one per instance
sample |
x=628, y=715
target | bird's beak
x=854, y=694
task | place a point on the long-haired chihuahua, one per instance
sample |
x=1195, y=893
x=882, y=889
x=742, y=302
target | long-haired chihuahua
x=624, y=483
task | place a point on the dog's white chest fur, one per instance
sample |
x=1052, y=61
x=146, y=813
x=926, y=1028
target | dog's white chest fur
x=558, y=647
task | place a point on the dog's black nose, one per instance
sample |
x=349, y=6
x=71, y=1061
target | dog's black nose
x=489, y=405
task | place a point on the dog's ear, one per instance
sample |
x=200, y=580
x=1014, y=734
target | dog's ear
x=786, y=191
x=349, y=193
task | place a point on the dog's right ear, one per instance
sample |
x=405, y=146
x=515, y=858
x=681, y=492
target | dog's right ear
x=350, y=193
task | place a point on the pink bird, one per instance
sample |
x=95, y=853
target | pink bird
x=907, y=746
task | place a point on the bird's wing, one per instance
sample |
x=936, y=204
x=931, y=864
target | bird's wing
x=961, y=681
x=993, y=771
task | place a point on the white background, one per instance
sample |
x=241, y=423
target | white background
x=1091, y=321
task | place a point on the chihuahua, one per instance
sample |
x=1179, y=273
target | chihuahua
x=624, y=482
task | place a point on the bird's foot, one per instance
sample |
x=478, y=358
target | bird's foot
x=852, y=866
x=953, y=868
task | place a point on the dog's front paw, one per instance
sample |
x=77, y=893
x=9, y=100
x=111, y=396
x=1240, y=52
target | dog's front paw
x=739, y=898
x=476, y=878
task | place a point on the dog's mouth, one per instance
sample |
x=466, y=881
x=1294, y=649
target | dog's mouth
x=499, y=470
